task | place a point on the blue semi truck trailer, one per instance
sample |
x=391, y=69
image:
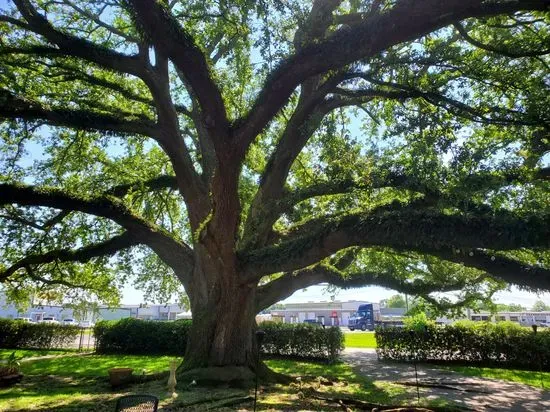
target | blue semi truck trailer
x=362, y=319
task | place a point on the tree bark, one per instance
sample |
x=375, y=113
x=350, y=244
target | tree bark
x=224, y=313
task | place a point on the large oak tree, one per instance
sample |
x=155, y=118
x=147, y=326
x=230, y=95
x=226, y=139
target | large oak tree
x=247, y=149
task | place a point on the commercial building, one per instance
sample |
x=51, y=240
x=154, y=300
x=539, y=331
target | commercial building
x=525, y=318
x=168, y=311
x=37, y=312
x=336, y=313
x=331, y=313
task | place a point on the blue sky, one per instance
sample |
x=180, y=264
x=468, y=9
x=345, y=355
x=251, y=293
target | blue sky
x=370, y=293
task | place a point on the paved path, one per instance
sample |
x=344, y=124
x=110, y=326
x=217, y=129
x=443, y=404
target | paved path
x=478, y=394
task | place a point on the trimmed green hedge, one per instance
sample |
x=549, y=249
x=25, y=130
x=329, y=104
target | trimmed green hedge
x=135, y=336
x=302, y=340
x=17, y=334
x=480, y=343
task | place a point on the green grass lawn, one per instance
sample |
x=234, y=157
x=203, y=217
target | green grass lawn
x=360, y=340
x=77, y=382
x=29, y=353
x=80, y=383
x=94, y=365
x=527, y=377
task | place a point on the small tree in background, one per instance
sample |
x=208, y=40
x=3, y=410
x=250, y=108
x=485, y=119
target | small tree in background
x=540, y=306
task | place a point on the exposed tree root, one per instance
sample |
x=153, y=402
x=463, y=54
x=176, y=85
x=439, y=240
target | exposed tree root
x=344, y=402
x=219, y=402
x=440, y=385
x=233, y=376
x=268, y=375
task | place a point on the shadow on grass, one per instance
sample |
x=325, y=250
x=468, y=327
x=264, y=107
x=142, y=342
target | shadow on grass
x=52, y=392
x=533, y=378
x=347, y=381
x=80, y=384
x=94, y=365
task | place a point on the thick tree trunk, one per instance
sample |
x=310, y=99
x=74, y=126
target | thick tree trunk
x=222, y=335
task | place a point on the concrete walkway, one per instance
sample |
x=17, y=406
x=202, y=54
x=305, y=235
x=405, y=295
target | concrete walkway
x=477, y=394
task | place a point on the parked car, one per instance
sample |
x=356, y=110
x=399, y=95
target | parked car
x=48, y=319
x=70, y=322
x=86, y=324
x=23, y=319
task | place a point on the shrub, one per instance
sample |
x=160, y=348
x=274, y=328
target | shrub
x=17, y=334
x=135, y=336
x=11, y=366
x=481, y=343
x=302, y=340
x=418, y=322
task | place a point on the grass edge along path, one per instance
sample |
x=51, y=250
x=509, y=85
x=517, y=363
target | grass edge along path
x=360, y=340
x=531, y=378
x=23, y=354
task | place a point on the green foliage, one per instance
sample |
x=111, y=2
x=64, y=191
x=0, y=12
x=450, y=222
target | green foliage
x=16, y=334
x=480, y=343
x=134, y=336
x=302, y=340
x=11, y=366
x=396, y=301
x=540, y=306
x=418, y=322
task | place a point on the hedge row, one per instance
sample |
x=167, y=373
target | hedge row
x=302, y=340
x=135, y=336
x=17, y=334
x=480, y=343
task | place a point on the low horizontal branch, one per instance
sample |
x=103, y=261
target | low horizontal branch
x=404, y=228
x=509, y=270
x=14, y=107
x=172, y=251
x=154, y=184
x=82, y=255
x=288, y=283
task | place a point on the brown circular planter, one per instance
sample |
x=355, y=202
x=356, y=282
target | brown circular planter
x=120, y=376
x=9, y=380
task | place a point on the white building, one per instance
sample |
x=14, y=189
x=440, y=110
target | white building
x=60, y=312
x=526, y=318
x=333, y=313
x=168, y=311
